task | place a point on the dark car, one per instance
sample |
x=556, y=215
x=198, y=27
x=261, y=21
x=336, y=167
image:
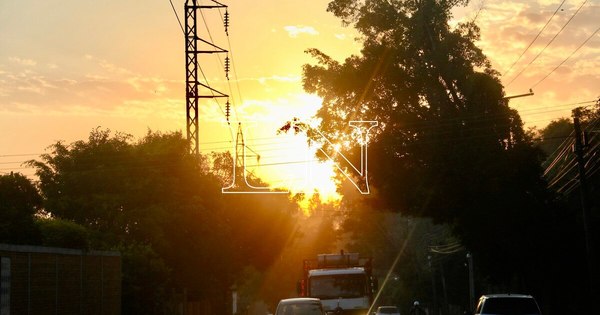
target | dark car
x=300, y=306
x=507, y=304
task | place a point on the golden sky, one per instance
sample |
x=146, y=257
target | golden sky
x=67, y=67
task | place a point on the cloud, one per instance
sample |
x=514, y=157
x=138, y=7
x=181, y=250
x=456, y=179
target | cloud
x=295, y=30
x=98, y=86
x=23, y=62
x=507, y=29
x=279, y=78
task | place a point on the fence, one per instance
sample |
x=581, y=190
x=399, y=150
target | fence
x=46, y=280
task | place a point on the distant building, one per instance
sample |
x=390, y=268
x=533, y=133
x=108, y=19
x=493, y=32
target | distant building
x=48, y=280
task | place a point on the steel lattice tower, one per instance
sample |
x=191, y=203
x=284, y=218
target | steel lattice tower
x=194, y=88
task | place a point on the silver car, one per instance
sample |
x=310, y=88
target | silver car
x=300, y=306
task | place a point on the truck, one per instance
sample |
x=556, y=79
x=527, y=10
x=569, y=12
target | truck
x=344, y=282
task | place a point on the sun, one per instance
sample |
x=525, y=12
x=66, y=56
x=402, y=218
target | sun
x=289, y=162
x=283, y=160
x=286, y=160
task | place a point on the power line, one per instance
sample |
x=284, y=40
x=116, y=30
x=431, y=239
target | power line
x=548, y=44
x=536, y=37
x=269, y=140
x=582, y=44
x=20, y=154
x=177, y=16
x=568, y=164
x=208, y=142
x=565, y=148
x=573, y=184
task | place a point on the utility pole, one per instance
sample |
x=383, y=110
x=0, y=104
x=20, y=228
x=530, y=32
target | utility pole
x=192, y=81
x=471, y=283
x=435, y=303
x=587, y=229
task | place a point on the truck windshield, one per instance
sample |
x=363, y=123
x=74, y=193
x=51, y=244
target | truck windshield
x=336, y=286
x=300, y=309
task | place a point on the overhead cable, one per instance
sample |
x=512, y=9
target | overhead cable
x=548, y=44
x=536, y=37
x=571, y=55
x=177, y=16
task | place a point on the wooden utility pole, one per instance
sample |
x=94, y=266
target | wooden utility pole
x=585, y=207
x=471, y=283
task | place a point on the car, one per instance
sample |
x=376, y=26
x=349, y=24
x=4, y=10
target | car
x=507, y=304
x=387, y=310
x=300, y=306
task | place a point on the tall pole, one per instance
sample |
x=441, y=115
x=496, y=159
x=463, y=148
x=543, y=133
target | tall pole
x=435, y=303
x=585, y=208
x=471, y=283
x=446, y=307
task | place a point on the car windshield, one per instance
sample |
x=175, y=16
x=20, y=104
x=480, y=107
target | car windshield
x=336, y=286
x=510, y=306
x=300, y=309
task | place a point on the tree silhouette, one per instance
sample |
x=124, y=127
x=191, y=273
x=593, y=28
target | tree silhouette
x=162, y=207
x=449, y=147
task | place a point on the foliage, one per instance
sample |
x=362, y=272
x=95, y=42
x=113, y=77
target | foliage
x=19, y=202
x=554, y=134
x=63, y=233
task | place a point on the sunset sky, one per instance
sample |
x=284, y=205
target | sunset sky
x=67, y=67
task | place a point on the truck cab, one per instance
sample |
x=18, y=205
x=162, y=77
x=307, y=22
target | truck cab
x=342, y=282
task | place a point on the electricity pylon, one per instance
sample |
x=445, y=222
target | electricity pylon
x=194, y=88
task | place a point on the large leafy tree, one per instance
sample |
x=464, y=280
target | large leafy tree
x=448, y=147
x=150, y=199
x=162, y=207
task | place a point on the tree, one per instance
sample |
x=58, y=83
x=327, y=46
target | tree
x=434, y=108
x=162, y=207
x=554, y=134
x=448, y=146
x=152, y=200
x=19, y=202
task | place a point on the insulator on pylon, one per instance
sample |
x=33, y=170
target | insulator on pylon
x=226, y=22
x=227, y=110
x=227, y=66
